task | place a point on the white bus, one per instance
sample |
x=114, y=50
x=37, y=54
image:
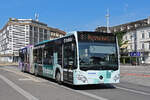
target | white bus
x=26, y=59
x=80, y=58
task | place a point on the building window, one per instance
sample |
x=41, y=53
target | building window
x=134, y=36
x=135, y=46
x=143, y=35
x=36, y=29
x=143, y=46
x=131, y=37
x=30, y=27
x=41, y=30
x=45, y=31
x=149, y=34
x=131, y=46
x=143, y=58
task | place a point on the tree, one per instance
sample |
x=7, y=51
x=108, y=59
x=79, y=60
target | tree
x=122, y=45
x=120, y=36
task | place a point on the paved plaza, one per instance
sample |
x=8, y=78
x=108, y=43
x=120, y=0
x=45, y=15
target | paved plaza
x=139, y=74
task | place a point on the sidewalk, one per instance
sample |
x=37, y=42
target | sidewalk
x=139, y=74
x=133, y=66
x=8, y=64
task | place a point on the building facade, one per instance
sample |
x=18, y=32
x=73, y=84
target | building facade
x=18, y=33
x=139, y=41
x=137, y=34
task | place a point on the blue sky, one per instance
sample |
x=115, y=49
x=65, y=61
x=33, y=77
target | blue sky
x=70, y=15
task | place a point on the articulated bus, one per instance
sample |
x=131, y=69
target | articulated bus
x=26, y=59
x=79, y=58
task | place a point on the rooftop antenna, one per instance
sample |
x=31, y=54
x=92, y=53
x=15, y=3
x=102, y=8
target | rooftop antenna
x=107, y=19
x=36, y=16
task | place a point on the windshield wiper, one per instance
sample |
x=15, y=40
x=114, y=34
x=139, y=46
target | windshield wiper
x=85, y=68
x=92, y=68
x=99, y=68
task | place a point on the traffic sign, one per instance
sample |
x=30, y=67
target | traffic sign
x=135, y=54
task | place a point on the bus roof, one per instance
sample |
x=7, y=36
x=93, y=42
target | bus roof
x=73, y=33
x=45, y=41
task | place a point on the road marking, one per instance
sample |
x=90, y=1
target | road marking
x=87, y=94
x=134, y=91
x=23, y=74
x=17, y=88
x=80, y=92
x=24, y=79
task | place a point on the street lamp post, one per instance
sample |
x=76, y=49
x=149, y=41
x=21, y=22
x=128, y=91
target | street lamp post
x=107, y=19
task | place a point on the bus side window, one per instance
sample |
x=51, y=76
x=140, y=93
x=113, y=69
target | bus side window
x=35, y=59
x=58, y=50
x=48, y=56
x=37, y=56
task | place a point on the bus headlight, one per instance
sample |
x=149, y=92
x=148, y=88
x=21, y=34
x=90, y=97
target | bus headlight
x=116, y=77
x=82, y=78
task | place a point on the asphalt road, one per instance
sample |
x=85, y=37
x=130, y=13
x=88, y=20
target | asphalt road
x=15, y=85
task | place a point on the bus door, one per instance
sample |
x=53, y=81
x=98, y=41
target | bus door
x=25, y=60
x=68, y=62
x=48, y=62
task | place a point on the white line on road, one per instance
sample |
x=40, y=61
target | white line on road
x=17, y=88
x=23, y=74
x=134, y=91
x=88, y=94
x=24, y=79
x=80, y=92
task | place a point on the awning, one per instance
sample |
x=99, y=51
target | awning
x=124, y=46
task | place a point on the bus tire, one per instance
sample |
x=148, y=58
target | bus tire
x=58, y=77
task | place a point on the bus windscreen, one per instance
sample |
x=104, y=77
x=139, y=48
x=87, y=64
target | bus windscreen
x=97, y=51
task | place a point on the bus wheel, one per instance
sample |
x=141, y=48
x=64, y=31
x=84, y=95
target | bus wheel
x=58, y=77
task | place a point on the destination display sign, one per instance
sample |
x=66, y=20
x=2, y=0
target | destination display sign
x=96, y=37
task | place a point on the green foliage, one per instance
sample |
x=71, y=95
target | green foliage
x=119, y=36
x=133, y=58
x=125, y=60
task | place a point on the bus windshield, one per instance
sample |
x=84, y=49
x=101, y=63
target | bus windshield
x=98, y=56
